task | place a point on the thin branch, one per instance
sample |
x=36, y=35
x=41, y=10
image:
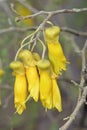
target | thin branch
x=16, y=29
x=73, y=31
x=35, y=39
x=83, y=56
x=74, y=10
x=33, y=28
x=83, y=71
x=82, y=91
x=77, y=108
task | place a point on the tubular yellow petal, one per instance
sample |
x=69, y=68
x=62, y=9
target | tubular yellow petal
x=45, y=83
x=33, y=82
x=45, y=89
x=56, y=96
x=20, y=93
x=57, y=57
x=55, y=51
x=32, y=75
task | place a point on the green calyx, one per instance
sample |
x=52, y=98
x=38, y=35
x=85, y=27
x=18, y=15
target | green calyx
x=43, y=64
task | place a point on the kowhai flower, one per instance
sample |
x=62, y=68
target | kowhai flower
x=20, y=86
x=49, y=91
x=24, y=11
x=45, y=83
x=55, y=52
x=29, y=61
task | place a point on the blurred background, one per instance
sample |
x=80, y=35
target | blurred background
x=35, y=117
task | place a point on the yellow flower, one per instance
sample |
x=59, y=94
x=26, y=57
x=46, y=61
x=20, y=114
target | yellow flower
x=29, y=61
x=45, y=83
x=1, y=73
x=20, y=87
x=49, y=91
x=20, y=93
x=23, y=11
x=56, y=95
x=55, y=51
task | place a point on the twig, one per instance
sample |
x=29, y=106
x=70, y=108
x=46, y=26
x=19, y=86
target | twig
x=73, y=115
x=83, y=57
x=36, y=37
x=17, y=29
x=74, y=10
x=83, y=71
x=73, y=31
x=32, y=28
x=82, y=91
x=44, y=48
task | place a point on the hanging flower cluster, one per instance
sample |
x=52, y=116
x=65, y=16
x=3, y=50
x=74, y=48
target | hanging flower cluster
x=37, y=76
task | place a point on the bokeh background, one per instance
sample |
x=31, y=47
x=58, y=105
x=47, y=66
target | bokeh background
x=35, y=117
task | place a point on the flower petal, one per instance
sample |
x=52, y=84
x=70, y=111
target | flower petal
x=56, y=96
x=57, y=57
x=45, y=89
x=20, y=93
x=33, y=82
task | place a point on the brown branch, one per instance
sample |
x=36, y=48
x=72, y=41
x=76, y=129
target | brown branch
x=73, y=31
x=17, y=29
x=74, y=10
x=77, y=108
x=82, y=91
x=65, y=29
x=83, y=57
x=83, y=71
x=34, y=39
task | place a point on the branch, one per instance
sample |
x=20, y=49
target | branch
x=77, y=108
x=17, y=29
x=73, y=31
x=83, y=71
x=74, y=10
x=83, y=57
x=82, y=91
x=65, y=29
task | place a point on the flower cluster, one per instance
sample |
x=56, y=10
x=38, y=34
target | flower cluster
x=37, y=76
